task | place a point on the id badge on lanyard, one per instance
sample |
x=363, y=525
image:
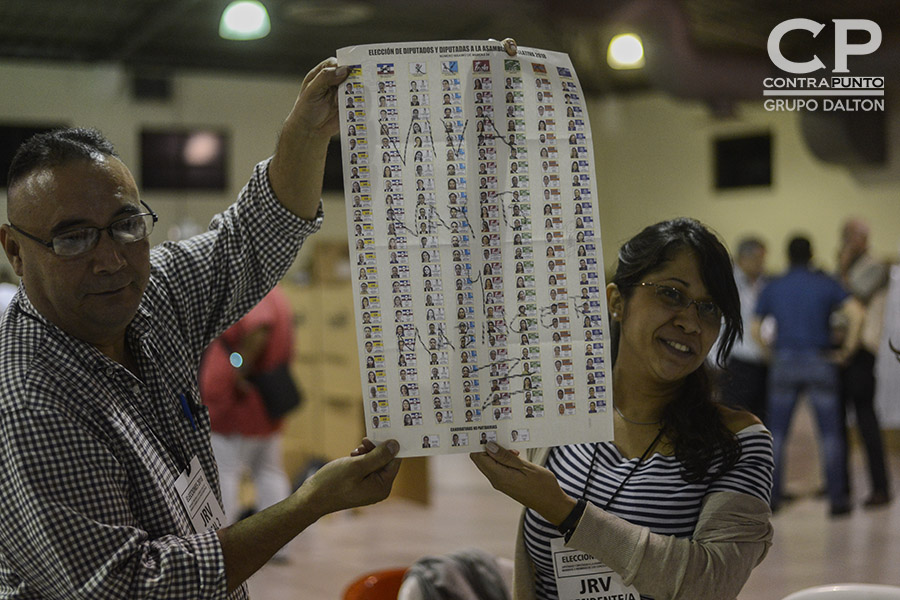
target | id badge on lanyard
x=580, y=576
x=199, y=501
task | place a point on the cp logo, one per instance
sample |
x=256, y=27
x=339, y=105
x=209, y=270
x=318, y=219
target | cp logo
x=842, y=49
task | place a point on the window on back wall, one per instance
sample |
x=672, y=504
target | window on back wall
x=743, y=161
x=11, y=137
x=194, y=159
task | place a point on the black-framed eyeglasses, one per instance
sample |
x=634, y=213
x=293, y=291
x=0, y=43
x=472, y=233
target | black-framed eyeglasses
x=675, y=299
x=127, y=230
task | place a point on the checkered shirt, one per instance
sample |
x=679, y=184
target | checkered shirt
x=89, y=453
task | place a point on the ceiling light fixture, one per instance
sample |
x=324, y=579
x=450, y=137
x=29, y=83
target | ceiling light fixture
x=626, y=51
x=244, y=20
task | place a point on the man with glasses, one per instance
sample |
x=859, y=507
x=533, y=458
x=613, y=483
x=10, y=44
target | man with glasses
x=108, y=486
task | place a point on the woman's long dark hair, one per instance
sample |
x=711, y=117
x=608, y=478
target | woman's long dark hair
x=692, y=422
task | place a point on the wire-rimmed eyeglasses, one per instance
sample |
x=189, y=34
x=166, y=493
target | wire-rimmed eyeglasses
x=675, y=299
x=126, y=230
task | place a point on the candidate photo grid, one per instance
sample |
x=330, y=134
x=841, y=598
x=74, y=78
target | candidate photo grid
x=472, y=282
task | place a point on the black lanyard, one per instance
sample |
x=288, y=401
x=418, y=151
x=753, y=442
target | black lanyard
x=627, y=477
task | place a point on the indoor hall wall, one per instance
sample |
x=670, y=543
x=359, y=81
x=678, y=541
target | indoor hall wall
x=654, y=160
x=653, y=155
x=250, y=109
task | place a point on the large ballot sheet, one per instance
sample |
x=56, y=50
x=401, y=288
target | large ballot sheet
x=472, y=219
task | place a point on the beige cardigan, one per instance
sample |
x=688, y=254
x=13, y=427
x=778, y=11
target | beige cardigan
x=732, y=536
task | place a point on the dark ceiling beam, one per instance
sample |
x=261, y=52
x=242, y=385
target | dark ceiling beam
x=163, y=16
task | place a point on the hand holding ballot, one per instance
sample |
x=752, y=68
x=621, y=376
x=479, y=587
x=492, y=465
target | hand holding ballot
x=510, y=46
x=529, y=484
x=365, y=477
x=298, y=165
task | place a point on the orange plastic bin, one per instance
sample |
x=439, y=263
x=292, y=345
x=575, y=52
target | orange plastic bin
x=378, y=585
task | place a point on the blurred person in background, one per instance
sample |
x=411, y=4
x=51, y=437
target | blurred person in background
x=803, y=361
x=867, y=279
x=8, y=287
x=745, y=378
x=245, y=439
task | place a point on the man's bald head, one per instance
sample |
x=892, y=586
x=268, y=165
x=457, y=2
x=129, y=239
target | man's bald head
x=856, y=234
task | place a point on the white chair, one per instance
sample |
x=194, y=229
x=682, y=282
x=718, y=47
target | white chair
x=848, y=591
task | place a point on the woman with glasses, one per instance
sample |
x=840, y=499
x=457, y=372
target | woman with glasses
x=677, y=505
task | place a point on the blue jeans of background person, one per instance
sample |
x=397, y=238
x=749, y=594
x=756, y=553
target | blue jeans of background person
x=794, y=372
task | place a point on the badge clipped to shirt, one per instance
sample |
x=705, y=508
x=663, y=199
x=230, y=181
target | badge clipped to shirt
x=580, y=576
x=199, y=501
